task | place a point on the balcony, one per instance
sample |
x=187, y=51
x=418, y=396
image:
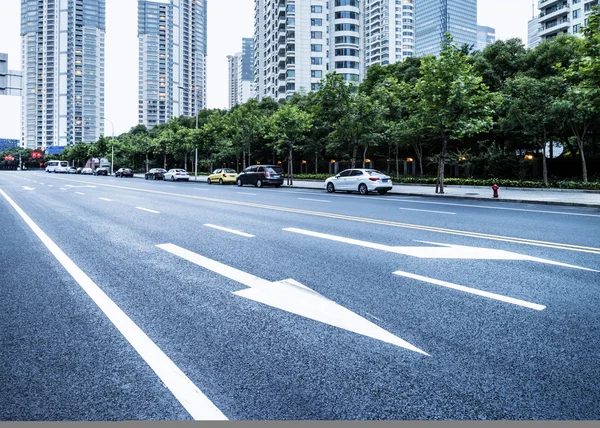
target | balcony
x=561, y=25
x=554, y=13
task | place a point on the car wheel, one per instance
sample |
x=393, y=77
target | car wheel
x=172, y=178
x=382, y=192
x=208, y=180
x=330, y=188
x=146, y=177
x=221, y=181
x=154, y=177
x=239, y=182
x=362, y=189
x=259, y=183
x=277, y=186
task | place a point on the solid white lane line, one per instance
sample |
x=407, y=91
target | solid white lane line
x=244, y=193
x=79, y=193
x=427, y=211
x=147, y=210
x=105, y=199
x=313, y=200
x=236, y=232
x=188, y=394
x=472, y=291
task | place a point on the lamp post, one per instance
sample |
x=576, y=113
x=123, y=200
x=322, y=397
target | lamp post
x=196, y=114
x=112, y=160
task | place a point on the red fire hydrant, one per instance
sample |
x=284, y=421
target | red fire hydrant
x=495, y=189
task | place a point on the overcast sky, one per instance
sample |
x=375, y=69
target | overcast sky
x=228, y=22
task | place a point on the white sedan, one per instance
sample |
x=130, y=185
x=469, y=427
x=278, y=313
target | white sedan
x=177, y=175
x=359, y=180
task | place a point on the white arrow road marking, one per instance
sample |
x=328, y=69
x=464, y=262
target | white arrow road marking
x=291, y=296
x=28, y=188
x=224, y=229
x=444, y=251
x=472, y=291
x=188, y=394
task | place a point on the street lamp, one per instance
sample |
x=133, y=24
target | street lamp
x=196, y=114
x=112, y=160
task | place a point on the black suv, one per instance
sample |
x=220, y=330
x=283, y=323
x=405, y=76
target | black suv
x=101, y=171
x=260, y=175
x=124, y=172
x=156, y=174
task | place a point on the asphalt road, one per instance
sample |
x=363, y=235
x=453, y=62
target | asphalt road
x=120, y=303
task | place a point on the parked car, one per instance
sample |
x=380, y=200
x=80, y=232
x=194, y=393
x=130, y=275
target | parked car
x=87, y=171
x=222, y=175
x=156, y=174
x=79, y=170
x=101, y=171
x=360, y=180
x=72, y=170
x=261, y=175
x=123, y=172
x=177, y=174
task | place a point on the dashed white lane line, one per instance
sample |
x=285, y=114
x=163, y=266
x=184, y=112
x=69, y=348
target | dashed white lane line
x=79, y=193
x=62, y=188
x=148, y=210
x=427, y=211
x=50, y=185
x=188, y=394
x=245, y=193
x=225, y=229
x=472, y=291
x=313, y=200
x=105, y=199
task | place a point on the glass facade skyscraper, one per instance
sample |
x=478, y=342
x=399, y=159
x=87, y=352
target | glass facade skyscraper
x=172, y=59
x=63, y=72
x=436, y=17
x=241, y=74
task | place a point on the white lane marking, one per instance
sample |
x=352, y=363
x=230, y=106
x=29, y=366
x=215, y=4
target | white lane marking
x=50, y=185
x=427, y=211
x=236, y=232
x=245, y=193
x=313, y=200
x=79, y=193
x=146, y=209
x=105, y=199
x=28, y=188
x=442, y=251
x=291, y=296
x=62, y=188
x=472, y=291
x=90, y=187
x=188, y=394
x=500, y=208
x=41, y=183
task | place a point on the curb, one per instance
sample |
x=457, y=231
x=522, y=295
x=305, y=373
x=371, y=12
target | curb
x=445, y=196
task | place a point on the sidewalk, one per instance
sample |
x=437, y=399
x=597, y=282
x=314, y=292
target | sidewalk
x=568, y=197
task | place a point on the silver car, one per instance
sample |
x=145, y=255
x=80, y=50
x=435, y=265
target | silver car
x=359, y=180
x=177, y=174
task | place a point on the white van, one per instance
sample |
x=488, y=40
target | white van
x=57, y=166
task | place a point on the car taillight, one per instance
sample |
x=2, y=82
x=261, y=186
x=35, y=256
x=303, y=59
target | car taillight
x=373, y=179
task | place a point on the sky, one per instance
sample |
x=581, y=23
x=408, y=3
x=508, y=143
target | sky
x=228, y=22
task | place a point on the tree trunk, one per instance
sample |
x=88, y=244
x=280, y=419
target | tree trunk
x=316, y=162
x=544, y=163
x=165, y=167
x=244, y=159
x=442, y=163
x=365, y=156
x=147, y=162
x=583, y=163
x=397, y=159
x=185, y=161
x=290, y=168
x=354, y=152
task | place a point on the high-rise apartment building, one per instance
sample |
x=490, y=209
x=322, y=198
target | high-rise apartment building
x=559, y=17
x=298, y=41
x=533, y=33
x=433, y=18
x=485, y=37
x=389, y=31
x=172, y=59
x=241, y=74
x=11, y=81
x=63, y=72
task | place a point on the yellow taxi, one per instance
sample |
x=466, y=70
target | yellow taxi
x=222, y=176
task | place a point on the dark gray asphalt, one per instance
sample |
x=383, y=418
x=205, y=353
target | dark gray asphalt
x=489, y=359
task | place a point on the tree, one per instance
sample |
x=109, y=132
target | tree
x=287, y=128
x=452, y=101
x=529, y=106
